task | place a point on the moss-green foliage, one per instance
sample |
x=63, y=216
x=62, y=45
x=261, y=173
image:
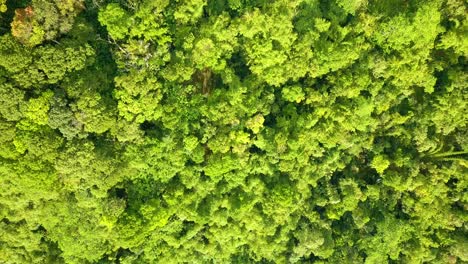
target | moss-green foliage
x=233, y=131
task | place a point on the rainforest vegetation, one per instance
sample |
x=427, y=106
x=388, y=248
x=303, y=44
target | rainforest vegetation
x=233, y=131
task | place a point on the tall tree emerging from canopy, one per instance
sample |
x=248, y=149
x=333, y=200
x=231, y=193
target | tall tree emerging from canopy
x=233, y=131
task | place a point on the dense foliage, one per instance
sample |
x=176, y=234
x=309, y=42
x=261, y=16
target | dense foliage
x=233, y=131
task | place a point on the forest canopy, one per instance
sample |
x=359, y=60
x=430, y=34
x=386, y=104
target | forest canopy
x=233, y=131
